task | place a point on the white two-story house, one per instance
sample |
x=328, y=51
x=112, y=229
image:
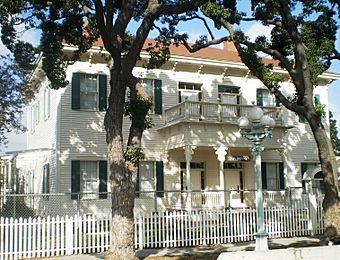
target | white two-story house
x=195, y=156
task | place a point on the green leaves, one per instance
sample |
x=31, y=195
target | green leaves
x=334, y=134
x=14, y=94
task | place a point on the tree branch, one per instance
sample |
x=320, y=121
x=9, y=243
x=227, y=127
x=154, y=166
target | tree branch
x=102, y=27
x=274, y=53
x=197, y=47
x=277, y=23
x=185, y=19
x=179, y=8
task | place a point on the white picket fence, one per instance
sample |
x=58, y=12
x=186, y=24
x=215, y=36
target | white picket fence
x=48, y=237
x=183, y=228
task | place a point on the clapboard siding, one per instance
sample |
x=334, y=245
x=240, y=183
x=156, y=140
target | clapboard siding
x=44, y=134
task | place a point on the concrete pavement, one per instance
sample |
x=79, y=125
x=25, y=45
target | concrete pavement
x=278, y=243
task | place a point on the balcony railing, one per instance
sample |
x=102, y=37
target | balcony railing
x=214, y=112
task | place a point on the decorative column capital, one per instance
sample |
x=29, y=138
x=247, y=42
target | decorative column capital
x=221, y=152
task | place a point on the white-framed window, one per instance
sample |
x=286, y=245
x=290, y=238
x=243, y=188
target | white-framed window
x=229, y=94
x=89, y=91
x=30, y=182
x=189, y=91
x=47, y=102
x=147, y=178
x=89, y=179
x=272, y=176
x=265, y=98
x=149, y=87
x=37, y=113
x=32, y=115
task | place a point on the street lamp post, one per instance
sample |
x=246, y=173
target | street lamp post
x=255, y=128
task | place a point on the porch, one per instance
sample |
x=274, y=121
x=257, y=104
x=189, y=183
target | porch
x=215, y=112
x=214, y=199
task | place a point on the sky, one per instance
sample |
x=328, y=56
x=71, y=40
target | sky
x=18, y=142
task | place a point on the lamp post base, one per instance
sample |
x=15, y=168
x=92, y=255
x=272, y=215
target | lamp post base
x=261, y=242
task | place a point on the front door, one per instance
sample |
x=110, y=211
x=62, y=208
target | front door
x=233, y=181
x=197, y=185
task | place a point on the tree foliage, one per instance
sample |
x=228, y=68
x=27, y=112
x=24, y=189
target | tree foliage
x=14, y=94
x=334, y=134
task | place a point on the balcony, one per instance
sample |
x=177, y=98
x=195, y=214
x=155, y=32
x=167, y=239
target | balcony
x=191, y=111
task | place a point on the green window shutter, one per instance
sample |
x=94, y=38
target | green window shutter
x=282, y=178
x=103, y=179
x=137, y=188
x=277, y=101
x=158, y=96
x=264, y=175
x=102, y=92
x=47, y=180
x=160, y=179
x=76, y=91
x=75, y=179
x=259, y=96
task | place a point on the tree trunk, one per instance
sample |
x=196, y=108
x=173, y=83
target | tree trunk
x=121, y=179
x=328, y=165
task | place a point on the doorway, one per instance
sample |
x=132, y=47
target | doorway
x=233, y=183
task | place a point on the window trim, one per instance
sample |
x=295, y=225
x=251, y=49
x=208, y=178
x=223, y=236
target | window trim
x=47, y=103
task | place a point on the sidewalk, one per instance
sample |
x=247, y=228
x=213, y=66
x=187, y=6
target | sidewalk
x=201, y=250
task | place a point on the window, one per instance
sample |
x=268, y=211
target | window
x=30, y=182
x=146, y=178
x=229, y=94
x=33, y=118
x=265, y=98
x=232, y=165
x=189, y=91
x=304, y=167
x=47, y=102
x=272, y=176
x=37, y=113
x=89, y=91
x=89, y=179
x=150, y=178
x=193, y=165
x=153, y=87
x=46, y=179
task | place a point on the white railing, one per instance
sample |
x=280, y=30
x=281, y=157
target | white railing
x=57, y=236
x=217, y=112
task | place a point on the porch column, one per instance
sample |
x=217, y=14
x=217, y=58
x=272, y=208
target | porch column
x=188, y=158
x=221, y=153
x=290, y=179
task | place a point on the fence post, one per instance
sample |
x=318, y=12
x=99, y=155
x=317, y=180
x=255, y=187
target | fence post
x=78, y=204
x=312, y=223
x=69, y=235
x=140, y=230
